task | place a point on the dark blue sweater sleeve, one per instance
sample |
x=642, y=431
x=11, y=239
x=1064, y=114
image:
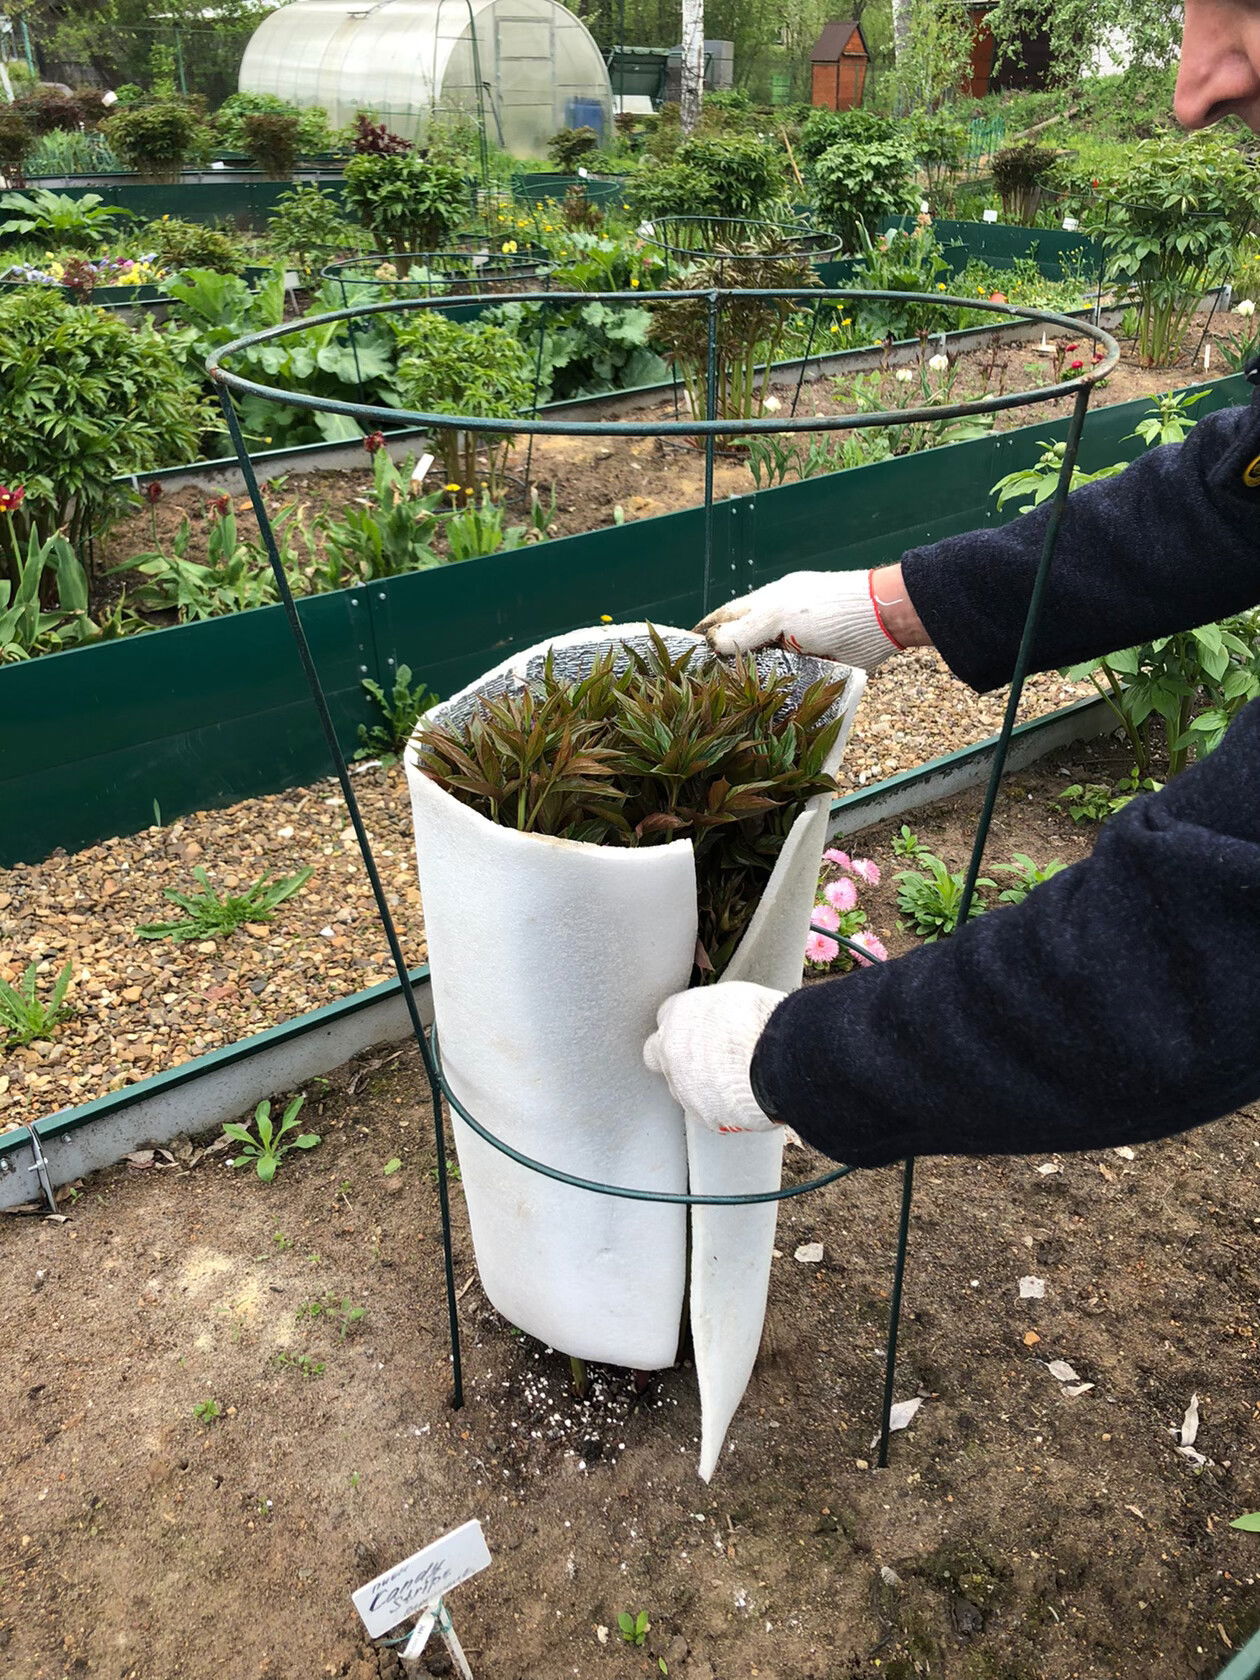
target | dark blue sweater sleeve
x=1118, y=1003
x=1170, y=543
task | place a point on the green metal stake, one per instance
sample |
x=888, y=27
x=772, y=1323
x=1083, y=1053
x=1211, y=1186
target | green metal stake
x=369, y=863
x=710, y=413
x=894, y=1310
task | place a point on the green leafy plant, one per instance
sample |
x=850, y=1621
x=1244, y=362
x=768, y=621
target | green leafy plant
x=84, y=400
x=823, y=129
x=856, y=184
x=713, y=176
x=1095, y=801
x=939, y=143
x=1026, y=875
x=269, y=1148
x=748, y=329
x=302, y=1363
x=449, y=367
x=158, y=139
x=181, y=245
x=24, y=1016
x=80, y=224
x=569, y=146
x=308, y=228
x=1175, y=218
x=1249, y=1523
x=1170, y=420
x=387, y=533
x=1018, y=172
x=232, y=117
x=207, y=1411
x=1040, y=481
x=210, y=915
x=777, y=457
x=930, y=897
x=479, y=529
x=409, y=201
x=17, y=139
x=906, y=844
x=336, y=1308
x=234, y=577
x=43, y=574
x=401, y=710
x=272, y=140
x=633, y=1629
x=664, y=749
x=927, y=384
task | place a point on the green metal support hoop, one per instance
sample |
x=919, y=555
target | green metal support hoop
x=231, y=385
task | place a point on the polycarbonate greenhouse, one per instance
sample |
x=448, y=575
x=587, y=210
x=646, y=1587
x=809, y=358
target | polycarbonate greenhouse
x=524, y=68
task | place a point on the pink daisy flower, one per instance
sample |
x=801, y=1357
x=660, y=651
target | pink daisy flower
x=868, y=871
x=819, y=949
x=840, y=859
x=841, y=895
x=872, y=943
x=825, y=916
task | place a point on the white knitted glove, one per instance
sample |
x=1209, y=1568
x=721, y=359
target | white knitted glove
x=703, y=1044
x=833, y=614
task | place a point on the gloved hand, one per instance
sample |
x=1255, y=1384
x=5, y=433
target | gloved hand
x=703, y=1044
x=834, y=614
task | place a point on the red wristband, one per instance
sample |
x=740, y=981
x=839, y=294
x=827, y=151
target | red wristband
x=879, y=617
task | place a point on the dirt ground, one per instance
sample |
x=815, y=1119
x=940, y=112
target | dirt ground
x=1022, y=1532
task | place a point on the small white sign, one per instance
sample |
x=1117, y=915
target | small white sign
x=990, y=215
x=411, y=1587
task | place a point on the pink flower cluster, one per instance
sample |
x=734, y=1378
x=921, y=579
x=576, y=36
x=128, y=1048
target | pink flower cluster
x=840, y=900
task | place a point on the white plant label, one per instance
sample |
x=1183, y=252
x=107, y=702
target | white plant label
x=414, y=1585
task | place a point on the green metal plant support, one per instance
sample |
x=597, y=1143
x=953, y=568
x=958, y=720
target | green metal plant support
x=231, y=385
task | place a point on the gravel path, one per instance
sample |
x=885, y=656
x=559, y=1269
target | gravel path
x=142, y=1006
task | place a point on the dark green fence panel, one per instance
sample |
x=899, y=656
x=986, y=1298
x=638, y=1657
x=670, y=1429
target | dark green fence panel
x=207, y=714
x=246, y=202
x=193, y=717
x=1055, y=251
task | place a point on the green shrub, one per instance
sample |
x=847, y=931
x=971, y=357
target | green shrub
x=179, y=245
x=16, y=139
x=855, y=185
x=727, y=175
x=824, y=129
x=83, y=399
x=409, y=202
x=569, y=146
x=272, y=141
x=314, y=135
x=158, y=139
x=309, y=227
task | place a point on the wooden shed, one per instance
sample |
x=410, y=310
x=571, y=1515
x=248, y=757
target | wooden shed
x=838, y=63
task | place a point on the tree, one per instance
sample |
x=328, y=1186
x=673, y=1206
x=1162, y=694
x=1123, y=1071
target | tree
x=1086, y=34
x=692, y=90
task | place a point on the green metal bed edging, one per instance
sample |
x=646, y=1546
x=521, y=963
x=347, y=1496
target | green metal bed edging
x=1244, y=1664
x=71, y=1119
x=205, y=715
x=85, y=1114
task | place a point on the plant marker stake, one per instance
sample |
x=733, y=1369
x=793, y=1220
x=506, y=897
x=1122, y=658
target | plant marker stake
x=417, y=1587
x=369, y=863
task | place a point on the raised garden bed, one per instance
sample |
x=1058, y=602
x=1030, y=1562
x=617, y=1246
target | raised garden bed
x=1021, y=1531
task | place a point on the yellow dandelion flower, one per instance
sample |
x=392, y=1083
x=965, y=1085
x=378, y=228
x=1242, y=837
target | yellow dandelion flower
x=605, y=618
x=469, y=489
x=634, y=280
x=940, y=285
x=453, y=488
x=834, y=327
x=847, y=322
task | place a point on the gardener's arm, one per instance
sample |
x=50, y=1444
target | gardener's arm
x=1172, y=542
x=1115, y=1005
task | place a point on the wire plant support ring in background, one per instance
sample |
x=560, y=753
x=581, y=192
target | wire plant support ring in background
x=709, y=427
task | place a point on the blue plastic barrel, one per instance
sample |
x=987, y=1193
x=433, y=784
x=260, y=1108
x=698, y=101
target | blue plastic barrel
x=586, y=113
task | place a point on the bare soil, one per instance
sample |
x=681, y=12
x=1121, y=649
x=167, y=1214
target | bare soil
x=1022, y=1532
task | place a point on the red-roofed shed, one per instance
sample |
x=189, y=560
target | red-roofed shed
x=838, y=62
